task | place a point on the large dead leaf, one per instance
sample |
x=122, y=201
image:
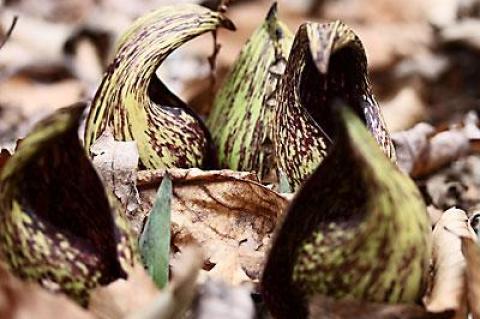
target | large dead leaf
x=472, y=255
x=117, y=162
x=230, y=217
x=448, y=290
x=422, y=150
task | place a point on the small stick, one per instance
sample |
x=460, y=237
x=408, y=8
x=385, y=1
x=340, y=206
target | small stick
x=222, y=8
x=9, y=32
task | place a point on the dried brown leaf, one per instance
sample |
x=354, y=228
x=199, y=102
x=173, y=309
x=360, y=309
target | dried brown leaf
x=420, y=151
x=230, y=216
x=448, y=290
x=20, y=300
x=154, y=177
x=434, y=213
x=117, y=162
x=464, y=31
x=472, y=255
x=457, y=185
x=404, y=109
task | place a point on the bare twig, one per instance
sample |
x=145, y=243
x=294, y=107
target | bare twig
x=212, y=60
x=9, y=32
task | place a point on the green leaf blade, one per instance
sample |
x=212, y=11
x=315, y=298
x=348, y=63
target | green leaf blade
x=155, y=238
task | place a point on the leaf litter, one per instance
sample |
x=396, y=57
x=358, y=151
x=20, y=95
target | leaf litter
x=423, y=62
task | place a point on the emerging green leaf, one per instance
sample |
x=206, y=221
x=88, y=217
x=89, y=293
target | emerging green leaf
x=57, y=224
x=136, y=105
x=357, y=228
x=242, y=118
x=327, y=62
x=155, y=238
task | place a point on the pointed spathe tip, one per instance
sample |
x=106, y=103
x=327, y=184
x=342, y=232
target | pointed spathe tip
x=228, y=24
x=272, y=12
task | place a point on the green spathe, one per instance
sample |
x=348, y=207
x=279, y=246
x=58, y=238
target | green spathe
x=242, y=118
x=135, y=105
x=58, y=225
x=327, y=62
x=357, y=228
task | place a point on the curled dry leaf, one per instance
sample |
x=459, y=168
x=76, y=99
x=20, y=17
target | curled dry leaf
x=463, y=31
x=410, y=143
x=456, y=185
x=327, y=62
x=151, y=178
x=471, y=251
x=243, y=114
x=231, y=218
x=20, y=300
x=357, y=228
x=421, y=150
x=58, y=225
x=321, y=307
x=404, y=110
x=448, y=290
x=138, y=106
x=117, y=162
x=435, y=214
